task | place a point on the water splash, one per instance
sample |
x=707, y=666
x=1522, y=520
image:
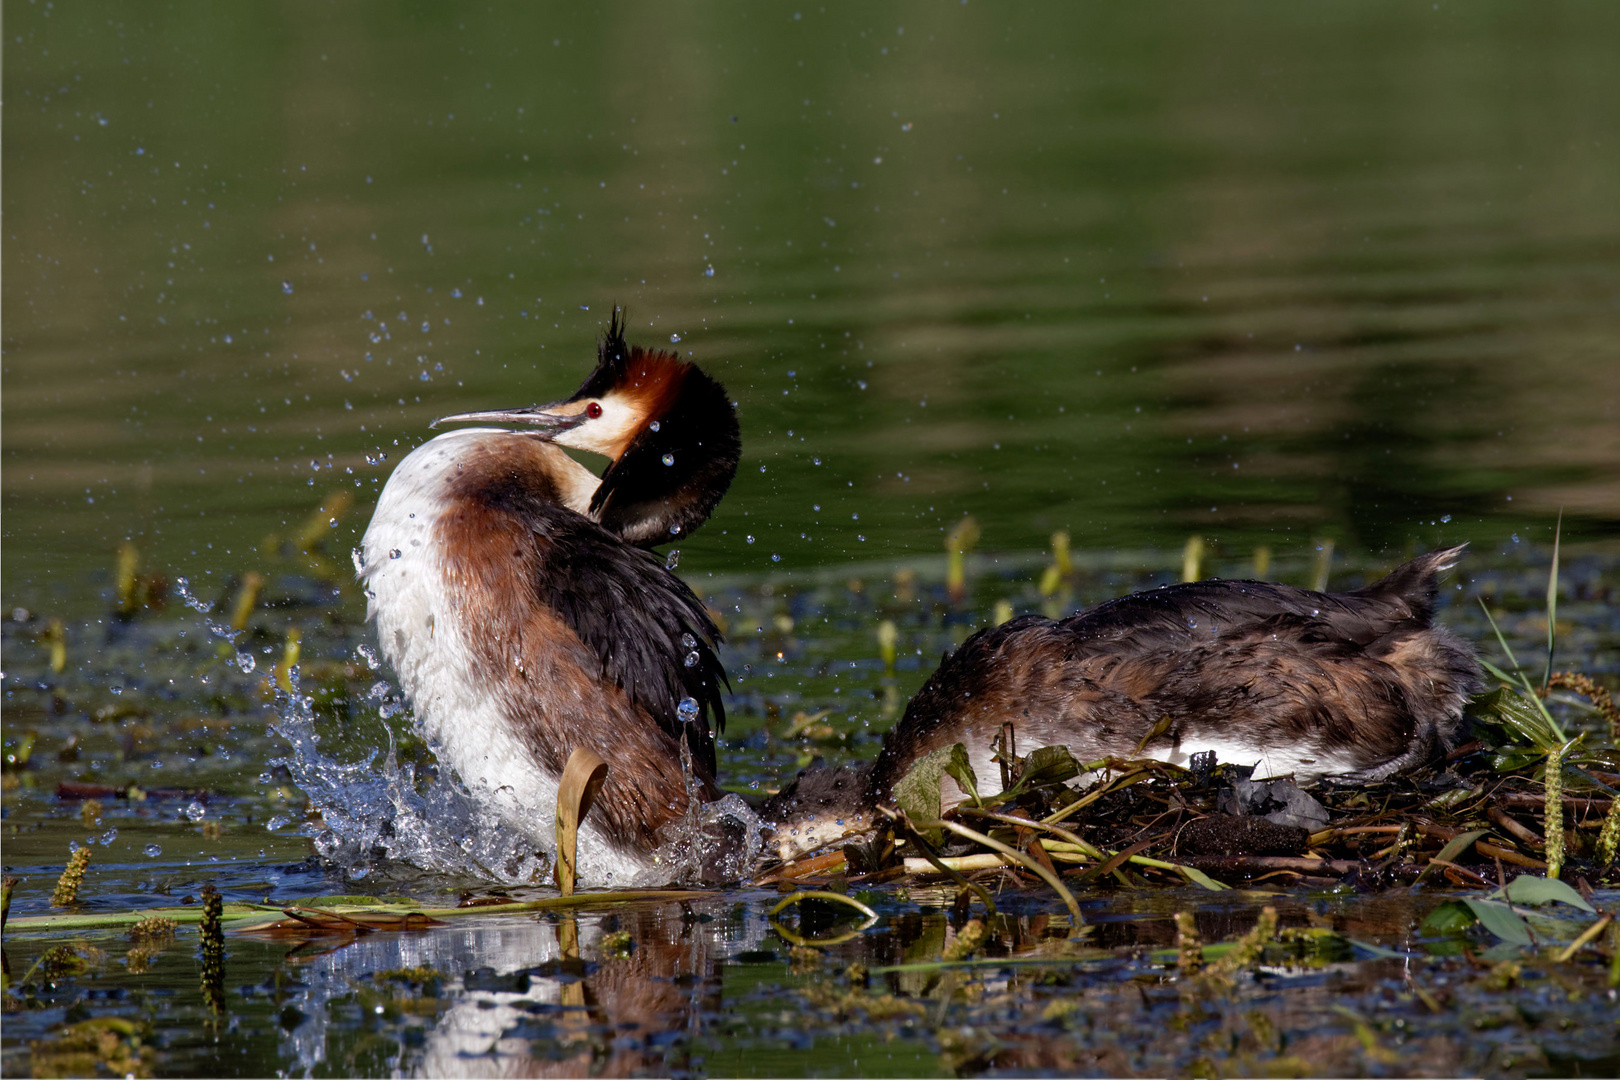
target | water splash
x=379, y=811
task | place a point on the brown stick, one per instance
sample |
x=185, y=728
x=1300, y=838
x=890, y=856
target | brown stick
x=1513, y=828
x=1571, y=802
x=1507, y=855
x=1246, y=863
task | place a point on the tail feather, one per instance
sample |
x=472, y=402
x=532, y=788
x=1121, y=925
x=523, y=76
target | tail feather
x=1417, y=582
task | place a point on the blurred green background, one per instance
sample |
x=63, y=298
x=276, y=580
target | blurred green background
x=1259, y=272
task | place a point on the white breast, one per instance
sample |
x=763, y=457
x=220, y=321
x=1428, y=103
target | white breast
x=424, y=638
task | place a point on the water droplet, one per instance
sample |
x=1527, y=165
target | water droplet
x=708, y=271
x=673, y=559
x=286, y=287
x=196, y=811
x=750, y=539
x=369, y=655
x=655, y=425
x=245, y=661
x=688, y=641
x=692, y=658
x=775, y=557
x=394, y=553
x=280, y=821
x=674, y=530
x=426, y=327
x=152, y=851
x=191, y=601
x=669, y=459
x=687, y=711
x=109, y=836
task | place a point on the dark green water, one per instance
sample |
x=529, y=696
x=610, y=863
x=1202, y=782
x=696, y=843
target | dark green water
x=1259, y=274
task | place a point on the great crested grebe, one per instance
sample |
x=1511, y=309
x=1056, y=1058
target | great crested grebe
x=515, y=603
x=1360, y=685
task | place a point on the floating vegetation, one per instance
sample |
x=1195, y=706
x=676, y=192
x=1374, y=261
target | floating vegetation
x=1145, y=918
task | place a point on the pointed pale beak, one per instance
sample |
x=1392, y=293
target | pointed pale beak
x=537, y=416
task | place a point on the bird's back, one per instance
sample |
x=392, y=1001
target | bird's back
x=1360, y=683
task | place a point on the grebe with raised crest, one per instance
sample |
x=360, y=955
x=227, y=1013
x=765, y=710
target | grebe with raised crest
x=514, y=601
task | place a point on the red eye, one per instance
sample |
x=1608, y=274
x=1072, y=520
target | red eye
x=593, y=410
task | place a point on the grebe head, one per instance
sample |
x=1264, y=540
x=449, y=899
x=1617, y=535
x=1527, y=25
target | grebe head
x=668, y=427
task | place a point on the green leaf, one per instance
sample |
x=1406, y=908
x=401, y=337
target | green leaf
x=1501, y=920
x=1450, y=918
x=1455, y=847
x=1198, y=877
x=960, y=769
x=1049, y=765
x=1529, y=890
x=1384, y=953
x=917, y=793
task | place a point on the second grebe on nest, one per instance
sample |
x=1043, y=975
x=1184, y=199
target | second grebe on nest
x=515, y=603
x=1360, y=685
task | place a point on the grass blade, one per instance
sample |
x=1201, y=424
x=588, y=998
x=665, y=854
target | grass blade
x=1552, y=602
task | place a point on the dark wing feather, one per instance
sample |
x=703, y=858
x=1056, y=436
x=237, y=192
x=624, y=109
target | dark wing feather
x=637, y=618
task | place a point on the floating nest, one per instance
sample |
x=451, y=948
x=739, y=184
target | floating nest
x=1521, y=798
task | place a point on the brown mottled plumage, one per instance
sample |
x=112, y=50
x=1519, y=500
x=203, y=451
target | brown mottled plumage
x=514, y=599
x=1361, y=684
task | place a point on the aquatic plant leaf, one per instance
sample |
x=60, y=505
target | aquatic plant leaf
x=582, y=778
x=1384, y=953
x=917, y=793
x=1048, y=765
x=1521, y=717
x=1531, y=890
x=1454, y=847
x=960, y=769
x=1450, y=918
x=1500, y=920
x=1199, y=878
